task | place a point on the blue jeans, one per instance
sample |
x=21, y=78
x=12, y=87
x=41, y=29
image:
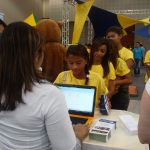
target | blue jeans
x=137, y=66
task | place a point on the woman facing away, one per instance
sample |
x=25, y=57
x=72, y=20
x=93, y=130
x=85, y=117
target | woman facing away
x=33, y=113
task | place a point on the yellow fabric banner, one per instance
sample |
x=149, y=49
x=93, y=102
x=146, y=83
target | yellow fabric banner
x=146, y=21
x=126, y=22
x=81, y=13
x=30, y=20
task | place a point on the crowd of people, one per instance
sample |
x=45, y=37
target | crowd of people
x=33, y=112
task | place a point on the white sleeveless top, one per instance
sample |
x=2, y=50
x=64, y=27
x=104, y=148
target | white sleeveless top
x=42, y=123
x=147, y=87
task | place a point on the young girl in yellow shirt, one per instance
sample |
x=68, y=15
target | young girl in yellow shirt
x=123, y=78
x=79, y=74
x=100, y=63
x=116, y=34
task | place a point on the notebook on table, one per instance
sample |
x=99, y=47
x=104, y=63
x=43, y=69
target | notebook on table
x=80, y=102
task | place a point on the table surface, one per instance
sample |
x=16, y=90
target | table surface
x=121, y=139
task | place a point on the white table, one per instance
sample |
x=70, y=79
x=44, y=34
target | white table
x=120, y=140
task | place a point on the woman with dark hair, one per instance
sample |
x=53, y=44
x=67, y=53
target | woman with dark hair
x=120, y=100
x=33, y=113
x=116, y=34
x=100, y=63
x=79, y=74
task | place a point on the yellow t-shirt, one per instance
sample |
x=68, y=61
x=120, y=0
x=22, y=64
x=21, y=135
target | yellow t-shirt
x=100, y=71
x=122, y=68
x=147, y=60
x=67, y=77
x=126, y=54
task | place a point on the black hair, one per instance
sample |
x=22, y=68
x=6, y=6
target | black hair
x=81, y=51
x=114, y=53
x=115, y=29
x=105, y=61
x=19, y=45
x=3, y=23
x=138, y=43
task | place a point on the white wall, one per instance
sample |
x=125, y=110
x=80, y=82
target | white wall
x=18, y=10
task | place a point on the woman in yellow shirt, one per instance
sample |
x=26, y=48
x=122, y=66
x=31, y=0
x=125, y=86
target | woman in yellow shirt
x=79, y=74
x=100, y=64
x=123, y=78
x=115, y=34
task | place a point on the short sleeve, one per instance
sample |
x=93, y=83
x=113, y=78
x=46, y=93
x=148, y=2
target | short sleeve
x=147, y=87
x=129, y=55
x=122, y=68
x=147, y=57
x=112, y=74
x=59, y=78
x=126, y=54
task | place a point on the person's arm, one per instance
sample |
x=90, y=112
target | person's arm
x=126, y=80
x=144, y=121
x=130, y=58
x=130, y=63
x=111, y=88
x=111, y=81
x=58, y=124
x=59, y=78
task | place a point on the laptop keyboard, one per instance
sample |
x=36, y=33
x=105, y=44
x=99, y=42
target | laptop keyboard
x=76, y=120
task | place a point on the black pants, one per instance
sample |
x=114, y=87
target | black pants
x=121, y=100
x=137, y=66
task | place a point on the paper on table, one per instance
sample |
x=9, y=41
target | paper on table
x=129, y=123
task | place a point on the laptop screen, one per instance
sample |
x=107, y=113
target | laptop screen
x=79, y=99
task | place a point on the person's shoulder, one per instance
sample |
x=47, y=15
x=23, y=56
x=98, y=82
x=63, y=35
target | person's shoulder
x=95, y=68
x=62, y=74
x=46, y=92
x=46, y=88
x=127, y=54
x=134, y=48
x=148, y=52
x=121, y=62
x=95, y=76
x=47, y=96
x=126, y=50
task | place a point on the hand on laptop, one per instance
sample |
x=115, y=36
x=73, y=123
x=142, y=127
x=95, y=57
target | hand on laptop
x=81, y=131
